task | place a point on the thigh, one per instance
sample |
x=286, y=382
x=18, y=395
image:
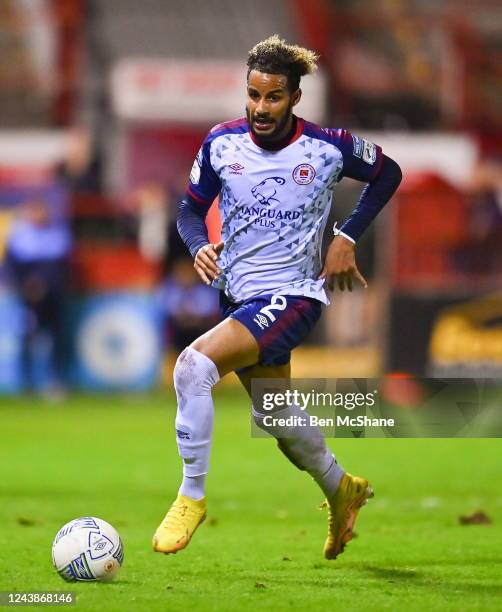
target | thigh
x=262, y=371
x=229, y=345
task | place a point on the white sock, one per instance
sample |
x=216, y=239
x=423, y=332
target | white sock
x=193, y=486
x=330, y=480
x=194, y=377
x=306, y=448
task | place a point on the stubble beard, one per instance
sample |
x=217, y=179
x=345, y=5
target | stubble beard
x=278, y=132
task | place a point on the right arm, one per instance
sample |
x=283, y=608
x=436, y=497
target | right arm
x=204, y=185
x=191, y=222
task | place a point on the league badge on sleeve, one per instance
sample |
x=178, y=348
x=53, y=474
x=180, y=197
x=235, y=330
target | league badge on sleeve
x=364, y=149
x=369, y=152
x=358, y=146
x=195, y=171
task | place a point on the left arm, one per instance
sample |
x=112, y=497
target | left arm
x=340, y=259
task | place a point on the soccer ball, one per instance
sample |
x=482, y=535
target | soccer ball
x=87, y=548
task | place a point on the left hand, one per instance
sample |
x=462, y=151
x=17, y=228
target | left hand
x=340, y=262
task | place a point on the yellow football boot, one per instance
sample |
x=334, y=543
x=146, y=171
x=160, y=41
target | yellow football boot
x=352, y=493
x=179, y=524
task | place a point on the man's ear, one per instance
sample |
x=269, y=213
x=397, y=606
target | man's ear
x=295, y=98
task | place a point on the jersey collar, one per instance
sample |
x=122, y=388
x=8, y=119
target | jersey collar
x=295, y=133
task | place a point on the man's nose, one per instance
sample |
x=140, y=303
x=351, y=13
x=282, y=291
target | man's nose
x=262, y=107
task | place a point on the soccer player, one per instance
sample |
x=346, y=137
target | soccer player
x=274, y=173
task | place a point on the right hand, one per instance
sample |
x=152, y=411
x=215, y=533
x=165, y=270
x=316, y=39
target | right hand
x=205, y=262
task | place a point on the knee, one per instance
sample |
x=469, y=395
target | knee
x=194, y=373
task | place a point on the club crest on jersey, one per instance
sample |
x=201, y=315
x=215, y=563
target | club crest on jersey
x=304, y=174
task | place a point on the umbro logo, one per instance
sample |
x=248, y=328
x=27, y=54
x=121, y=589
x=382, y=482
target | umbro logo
x=261, y=321
x=236, y=168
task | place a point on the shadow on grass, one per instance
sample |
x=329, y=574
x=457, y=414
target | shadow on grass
x=406, y=578
x=457, y=562
x=397, y=578
x=391, y=573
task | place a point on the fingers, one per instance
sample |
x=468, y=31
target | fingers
x=345, y=280
x=361, y=278
x=202, y=275
x=330, y=280
x=208, y=252
x=218, y=248
x=205, y=262
x=341, y=281
x=207, y=259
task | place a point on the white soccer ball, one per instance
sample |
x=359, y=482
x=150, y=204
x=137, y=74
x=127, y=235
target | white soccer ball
x=86, y=549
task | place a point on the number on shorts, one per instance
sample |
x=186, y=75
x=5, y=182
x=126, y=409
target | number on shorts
x=278, y=302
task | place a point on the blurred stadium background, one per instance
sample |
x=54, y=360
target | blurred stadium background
x=103, y=105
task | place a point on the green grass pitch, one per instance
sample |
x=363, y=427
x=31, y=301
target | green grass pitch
x=261, y=547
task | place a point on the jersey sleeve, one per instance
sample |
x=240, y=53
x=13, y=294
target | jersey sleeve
x=362, y=159
x=204, y=183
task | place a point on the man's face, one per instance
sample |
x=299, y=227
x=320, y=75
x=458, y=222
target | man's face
x=269, y=105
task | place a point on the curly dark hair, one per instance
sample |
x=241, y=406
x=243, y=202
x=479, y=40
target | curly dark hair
x=275, y=56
